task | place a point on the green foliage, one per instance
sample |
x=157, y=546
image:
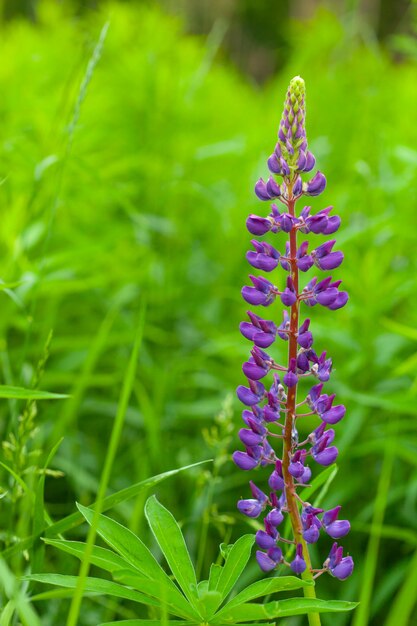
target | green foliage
x=132, y=564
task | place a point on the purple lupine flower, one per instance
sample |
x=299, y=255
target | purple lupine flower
x=304, y=336
x=263, y=292
x=265, y=256
x=270, y=560
x=260, y=331
x=266, y=406
x=289, y=295
x=276, y=480
x=315, y=186
x=298, y=565
x=339, y=566
x=334, y=527
x=324, y=258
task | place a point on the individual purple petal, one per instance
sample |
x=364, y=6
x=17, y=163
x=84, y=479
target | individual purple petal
x=338, y=529
x=316, y=185
x=261, y=190
x=330, y=262
x=244, y=461
x=249, y=438
x=339, y=302
x=305, y=263
x=275, y=517
x=311, y=535
x=306, y=475
x=334, y=415
x=265, y=256
x=258, y=225
x=264, y=540
x=289, y=295
x=258, y=493
x=251, y=395
x=275, y=553
x=310, y=162
x=298, y=186
x=263, y=291
x=273, y=188
x=290, y=378
x=331, y=515
x=296, y=466
x=332, y=225
x=251, y=508
x=253, y=371
x=262, y=261
x=265, y=562
x=253, y=296
x=276, y=480
x=344, y=569
x=326, y=456
x=273, y=164
x=298, y=565
x=305, y=337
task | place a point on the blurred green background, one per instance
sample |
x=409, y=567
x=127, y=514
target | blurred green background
x=125, y=182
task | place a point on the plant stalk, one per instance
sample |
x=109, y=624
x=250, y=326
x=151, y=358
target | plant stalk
x=290, y=492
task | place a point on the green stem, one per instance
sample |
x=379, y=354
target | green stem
x=290, y=491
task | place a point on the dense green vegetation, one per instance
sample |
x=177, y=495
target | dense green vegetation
x=125, y=184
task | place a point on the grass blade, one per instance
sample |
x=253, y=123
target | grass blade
x=106, y=473
x=75, y=519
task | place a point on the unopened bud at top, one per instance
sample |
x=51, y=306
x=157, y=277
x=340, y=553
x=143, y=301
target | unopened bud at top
x=292, y=134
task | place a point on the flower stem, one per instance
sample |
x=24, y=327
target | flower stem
x=290, y=490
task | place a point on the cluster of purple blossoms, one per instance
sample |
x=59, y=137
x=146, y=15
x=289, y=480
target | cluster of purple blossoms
x=272, y=410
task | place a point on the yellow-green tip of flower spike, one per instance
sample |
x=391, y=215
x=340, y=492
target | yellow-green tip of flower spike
x=292, y=134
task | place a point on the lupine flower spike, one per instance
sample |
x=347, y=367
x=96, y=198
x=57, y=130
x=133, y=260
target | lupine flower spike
x=272, y=411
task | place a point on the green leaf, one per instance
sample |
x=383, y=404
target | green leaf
x=147, y=622
x=215, y=571
x=401, y=608
x=168, y=596
x=94, y=585
x=16, y=476
x=263, y=588
x=236, y=561
x=134, y=551
x=4, y=286
x=282, y=608
x=18, y=393
x=171, y=541
x=101, y=557
x=127, y=544
x=209, y=601
x=39, y=513
x=324, y=478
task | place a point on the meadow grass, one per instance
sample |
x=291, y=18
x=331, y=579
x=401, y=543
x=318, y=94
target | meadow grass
x=133, y=187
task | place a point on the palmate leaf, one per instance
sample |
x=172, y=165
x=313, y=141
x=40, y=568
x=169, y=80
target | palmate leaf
x=281, y=608
x=149, y=622
x=215, y=571
x=174, y=602
x=171, y=541
x=136, y=554
x=236, y=561
x=101, y=557
x=264, y=588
